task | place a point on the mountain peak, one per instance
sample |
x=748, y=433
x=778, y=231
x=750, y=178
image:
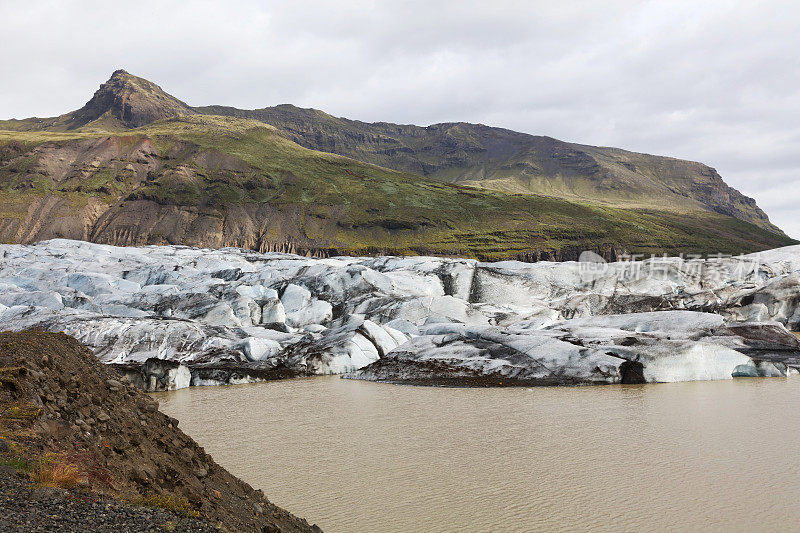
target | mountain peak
x=130, y=101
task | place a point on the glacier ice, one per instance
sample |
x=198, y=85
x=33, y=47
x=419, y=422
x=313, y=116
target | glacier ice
x=174, y=315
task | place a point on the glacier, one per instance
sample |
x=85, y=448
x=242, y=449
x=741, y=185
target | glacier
x=174, y=316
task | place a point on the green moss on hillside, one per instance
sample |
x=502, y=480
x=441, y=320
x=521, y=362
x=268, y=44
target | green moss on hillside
x=214, y=164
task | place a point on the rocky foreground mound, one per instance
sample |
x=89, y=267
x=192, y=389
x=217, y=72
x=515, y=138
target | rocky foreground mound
x=70, y=421
x=172, y=316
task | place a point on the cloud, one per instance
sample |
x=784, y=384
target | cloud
x=713, y=81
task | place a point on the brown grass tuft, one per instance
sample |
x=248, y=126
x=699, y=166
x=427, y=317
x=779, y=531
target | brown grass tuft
x=56, y=470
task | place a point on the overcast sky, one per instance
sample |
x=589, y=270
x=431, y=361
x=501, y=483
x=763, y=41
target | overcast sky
x=717, y=82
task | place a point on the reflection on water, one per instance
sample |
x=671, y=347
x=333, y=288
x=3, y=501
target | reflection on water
x=359, y=456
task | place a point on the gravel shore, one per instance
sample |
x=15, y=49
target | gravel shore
x=26, y=508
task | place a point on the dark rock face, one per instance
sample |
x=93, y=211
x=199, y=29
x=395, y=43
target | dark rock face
x=607, y=253
x=632, y=372
x=132, y=100
x=157, y=375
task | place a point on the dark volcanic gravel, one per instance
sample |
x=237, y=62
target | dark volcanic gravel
x=23, y=507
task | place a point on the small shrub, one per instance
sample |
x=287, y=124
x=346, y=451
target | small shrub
x=171, y=503
x=94, y=474
x=17, y=463
x=55, y=470
x=23, y=412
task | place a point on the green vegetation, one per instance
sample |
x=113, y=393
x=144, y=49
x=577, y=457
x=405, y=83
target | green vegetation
x=508, y=161
x=255, y=186
x=56, y=470
x=403, y=213
x=181, y=506
x=20, y=464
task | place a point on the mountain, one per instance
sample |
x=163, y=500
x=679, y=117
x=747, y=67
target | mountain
x=138, y=166
x=505, y=160
x=124, y=101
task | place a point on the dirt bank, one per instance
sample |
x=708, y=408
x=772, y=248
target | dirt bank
x=68, y=420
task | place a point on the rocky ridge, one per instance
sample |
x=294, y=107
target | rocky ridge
x=505, y=160
x=171, y=317
x=124, y=101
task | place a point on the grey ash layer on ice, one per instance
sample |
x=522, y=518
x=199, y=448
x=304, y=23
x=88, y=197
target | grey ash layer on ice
x=173, y=316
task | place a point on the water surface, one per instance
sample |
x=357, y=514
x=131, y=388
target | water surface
x=360, y=456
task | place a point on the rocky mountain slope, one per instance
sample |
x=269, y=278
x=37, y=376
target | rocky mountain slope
x=171, y=317
x=124, y=101
x=136, y=166
x=504, y=160
x=62, y=411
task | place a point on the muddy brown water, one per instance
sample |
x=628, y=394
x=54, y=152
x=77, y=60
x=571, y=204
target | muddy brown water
x=359, y=456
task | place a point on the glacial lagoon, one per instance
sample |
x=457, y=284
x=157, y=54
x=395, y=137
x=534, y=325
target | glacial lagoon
x=362, y=456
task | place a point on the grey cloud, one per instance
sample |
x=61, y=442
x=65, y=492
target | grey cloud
x=713, y=81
